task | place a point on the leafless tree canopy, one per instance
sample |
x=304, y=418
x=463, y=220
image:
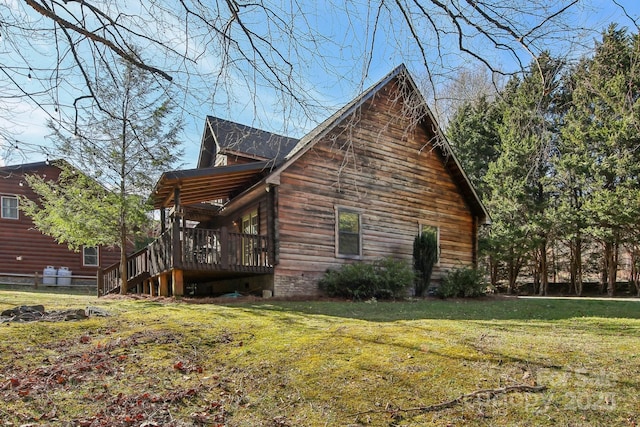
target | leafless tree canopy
x=229, y=53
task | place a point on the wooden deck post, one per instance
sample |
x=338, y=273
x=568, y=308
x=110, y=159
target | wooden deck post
x=176, y=244
x=164, y=285
x=145, y=286
x=224, y=248
x=99, y=281
x=152, y=287
x=177, y=282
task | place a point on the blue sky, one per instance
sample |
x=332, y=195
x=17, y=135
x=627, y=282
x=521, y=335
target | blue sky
x=331, y=72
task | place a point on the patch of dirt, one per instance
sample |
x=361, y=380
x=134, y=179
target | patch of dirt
x=90, y=369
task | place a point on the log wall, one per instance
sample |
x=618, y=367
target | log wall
x=24, y=249
x=380, y=163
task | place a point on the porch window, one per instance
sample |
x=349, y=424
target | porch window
x=90, y=256
x=348, y=233
x=10, y=207
x=249, y=244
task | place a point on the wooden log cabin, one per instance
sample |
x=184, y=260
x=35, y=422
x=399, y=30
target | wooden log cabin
x=273, y=213
x=24, y=250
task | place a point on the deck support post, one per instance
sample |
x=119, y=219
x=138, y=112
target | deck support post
x=163, y=280
x=177, y=282
x=224, y=248
x=145, y=286
x=152, y=287
x=176, y=244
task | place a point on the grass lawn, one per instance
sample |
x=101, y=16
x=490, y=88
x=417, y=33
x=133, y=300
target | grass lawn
x=495, y=362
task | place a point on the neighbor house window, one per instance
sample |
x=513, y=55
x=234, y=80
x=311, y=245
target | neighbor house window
x=424, y=228
x=90, y=256
x=348, y=233
x=10, y=207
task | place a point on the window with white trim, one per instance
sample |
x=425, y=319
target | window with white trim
x=90, y=256
x=348, y=233
x=10, y=207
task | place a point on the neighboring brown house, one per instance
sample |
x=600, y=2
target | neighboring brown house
x=358, y=187
x=24, y=250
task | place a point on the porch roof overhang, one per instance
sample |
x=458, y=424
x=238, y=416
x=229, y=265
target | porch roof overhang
x=207, y=184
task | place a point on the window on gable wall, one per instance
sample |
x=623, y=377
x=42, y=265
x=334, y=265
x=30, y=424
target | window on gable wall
x=348, y=233
x=10, y=207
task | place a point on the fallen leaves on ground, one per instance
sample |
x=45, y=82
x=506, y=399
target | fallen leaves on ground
x=93, y=367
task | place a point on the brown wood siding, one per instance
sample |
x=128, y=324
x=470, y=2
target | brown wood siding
x=19, y=239
x=393, y=176
x=236, y=215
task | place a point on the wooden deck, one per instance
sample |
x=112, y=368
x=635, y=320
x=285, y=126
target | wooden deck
x=198, y=254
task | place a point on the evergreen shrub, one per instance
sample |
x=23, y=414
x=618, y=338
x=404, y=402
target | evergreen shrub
x=464, y=282
x=385, y=278
x=425, y=256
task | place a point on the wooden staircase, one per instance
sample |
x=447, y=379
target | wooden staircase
x=137, y=272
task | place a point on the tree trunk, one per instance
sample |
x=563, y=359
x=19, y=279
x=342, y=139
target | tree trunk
x=573, y=279
x=575, y=264
x=536, y=275
x=578, y=261
x=123, y=260
x=604, y=269
x=610, y=267
x=123, y=210
x=493, y=271
x=633, y=275
x=612, y=271
x=513, y=266
x=543, y=269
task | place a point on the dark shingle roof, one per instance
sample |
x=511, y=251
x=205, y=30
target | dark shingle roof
x=6, y=171
x=246, y=141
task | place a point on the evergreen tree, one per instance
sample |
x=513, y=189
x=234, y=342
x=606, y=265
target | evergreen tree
x=473, y=133
x=601, y=139
x=518, y=201
x=124, y=144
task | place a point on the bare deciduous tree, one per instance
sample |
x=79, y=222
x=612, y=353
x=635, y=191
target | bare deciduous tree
x=227, y=54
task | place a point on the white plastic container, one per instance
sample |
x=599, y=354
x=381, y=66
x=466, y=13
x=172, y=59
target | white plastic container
x=64, y=276
x=49, y=275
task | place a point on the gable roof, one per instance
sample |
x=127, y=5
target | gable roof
x=442, y=146
x=245, y=141
x=10, y=170
x=265, y=172
x=207, y=184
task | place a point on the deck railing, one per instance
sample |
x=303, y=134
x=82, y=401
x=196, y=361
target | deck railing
x=198, y=250
x=137, y=271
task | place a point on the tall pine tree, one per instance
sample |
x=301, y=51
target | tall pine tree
x=124, y=143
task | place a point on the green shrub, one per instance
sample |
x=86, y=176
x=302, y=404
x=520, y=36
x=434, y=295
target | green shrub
x=425, y=255
x=383, y=279
x=463, y=282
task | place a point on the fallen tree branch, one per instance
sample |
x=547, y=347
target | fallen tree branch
x=491, y=392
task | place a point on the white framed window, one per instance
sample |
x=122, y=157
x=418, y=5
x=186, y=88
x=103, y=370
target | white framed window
x=422, y=228
x=348, y=233
x=10, y=207
x=90, y=256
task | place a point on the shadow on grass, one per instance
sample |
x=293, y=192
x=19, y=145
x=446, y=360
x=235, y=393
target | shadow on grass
x=488, y=309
